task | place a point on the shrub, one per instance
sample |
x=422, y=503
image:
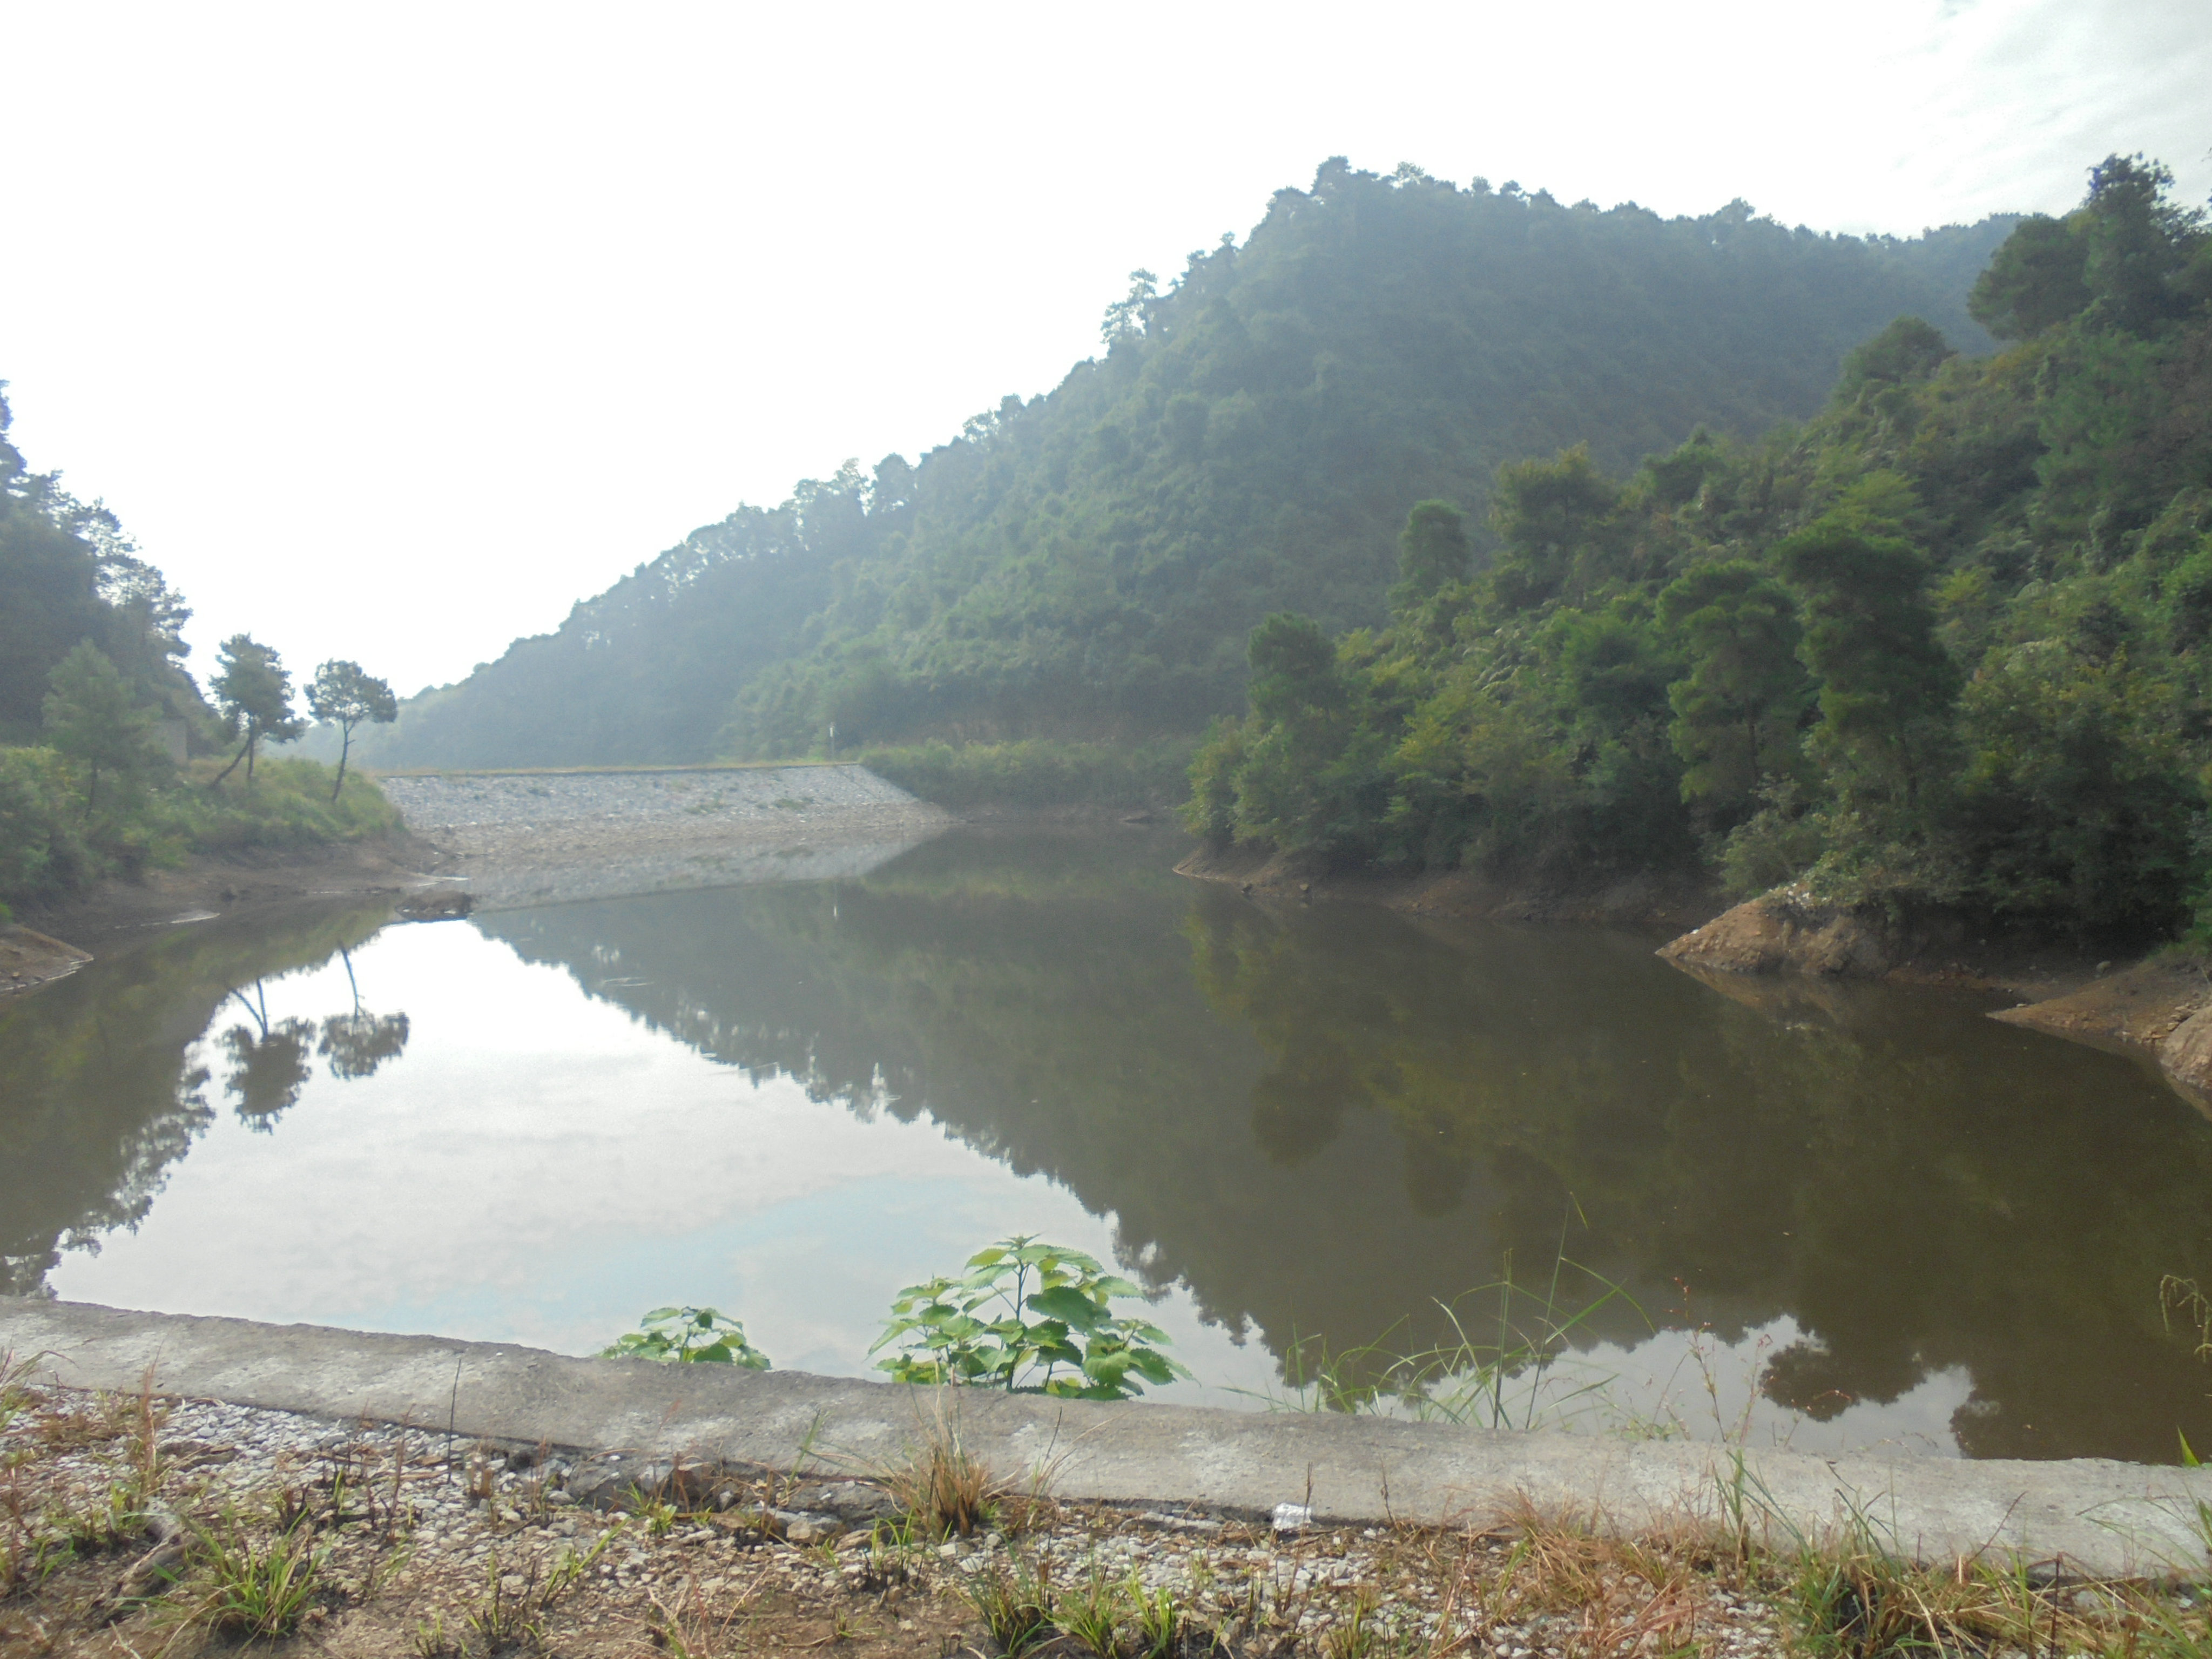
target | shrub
x=288, y=804
x=1022, y=1310
x=42, y=851
x=696, y=1334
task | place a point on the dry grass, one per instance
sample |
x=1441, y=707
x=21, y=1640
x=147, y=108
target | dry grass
x=945, y=1490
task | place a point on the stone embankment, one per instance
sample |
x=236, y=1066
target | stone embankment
x=524, y=838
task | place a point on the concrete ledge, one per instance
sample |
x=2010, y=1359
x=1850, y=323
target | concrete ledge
x=2091, y=1517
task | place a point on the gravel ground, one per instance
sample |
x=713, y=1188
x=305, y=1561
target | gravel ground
x=428, y=1548
x=538, y=838
x=133, y=1527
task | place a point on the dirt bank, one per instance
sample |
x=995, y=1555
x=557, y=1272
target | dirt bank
x=1636, y=902
x=504, y=840
x=205, y=886
x=29, y=959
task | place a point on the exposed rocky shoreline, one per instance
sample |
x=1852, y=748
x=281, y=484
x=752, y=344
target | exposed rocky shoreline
x=2158, y=1008
x=1778, y=949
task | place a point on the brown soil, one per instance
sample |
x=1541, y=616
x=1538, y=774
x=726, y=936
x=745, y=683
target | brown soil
x=29, y=959
x=2136, y=1007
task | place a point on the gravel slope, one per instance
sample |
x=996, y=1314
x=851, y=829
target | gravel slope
x=517, y=839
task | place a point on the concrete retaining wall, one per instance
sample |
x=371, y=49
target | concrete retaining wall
x=2090, y=1516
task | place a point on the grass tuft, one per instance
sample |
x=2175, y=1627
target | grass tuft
x=1014, y=1599
x=944, y=1490
x=253, y=1586
x=1096, y=1613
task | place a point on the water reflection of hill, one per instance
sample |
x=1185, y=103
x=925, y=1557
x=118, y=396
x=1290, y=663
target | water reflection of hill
x=1320, y=1121
x=100, y=1089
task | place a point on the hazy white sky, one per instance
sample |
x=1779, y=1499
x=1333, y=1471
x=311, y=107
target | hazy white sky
x=390, y=331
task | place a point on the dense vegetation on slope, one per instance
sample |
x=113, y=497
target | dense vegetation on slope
x=91, y=672
x=69, y=575
x=1951, y=642
x=1086, y=564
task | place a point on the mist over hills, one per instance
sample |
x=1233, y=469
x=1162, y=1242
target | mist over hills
x=1088, y=563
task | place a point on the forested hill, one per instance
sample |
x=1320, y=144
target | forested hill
x=1946, y=649
x=1089, y=563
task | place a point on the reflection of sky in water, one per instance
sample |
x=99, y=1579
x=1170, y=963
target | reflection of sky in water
x=540, y=1166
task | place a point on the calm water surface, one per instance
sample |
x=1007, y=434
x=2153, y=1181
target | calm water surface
x=1867, y=1217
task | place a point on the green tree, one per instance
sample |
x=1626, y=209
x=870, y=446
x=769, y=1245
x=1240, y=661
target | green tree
x=2076, y=799
x=2139, y=243
x=1871, y=640
x=1293, y=668
x=253, y=690
x=2036, y=280
x=344, y=695
x=93, y=719
x=1556, y=519
x=1432, y=553
x=1907, y=351
x=1308, y=779
x=1736, y=713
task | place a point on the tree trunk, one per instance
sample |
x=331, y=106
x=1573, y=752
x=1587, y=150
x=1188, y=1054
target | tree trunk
x=233, y=767
x=345, y=748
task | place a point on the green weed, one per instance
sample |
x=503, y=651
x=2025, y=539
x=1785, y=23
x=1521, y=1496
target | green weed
x=697, y=1335
x=1501, y=1367
x=1096, y=1613
x=254, y=1586
x=1015, y=1602
x=430, y=1639
x=502, y=1617
x=1161, y=1631
x=1021, y=1311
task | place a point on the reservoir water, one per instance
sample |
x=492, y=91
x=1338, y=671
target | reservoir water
x=1832, y=1216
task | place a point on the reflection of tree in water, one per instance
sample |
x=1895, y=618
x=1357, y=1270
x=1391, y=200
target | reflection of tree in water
x=358, y=1043
x=1324, y=1121
x=268, y=1063
x=100, y=1090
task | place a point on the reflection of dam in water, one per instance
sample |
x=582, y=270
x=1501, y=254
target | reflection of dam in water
x=517, y=839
